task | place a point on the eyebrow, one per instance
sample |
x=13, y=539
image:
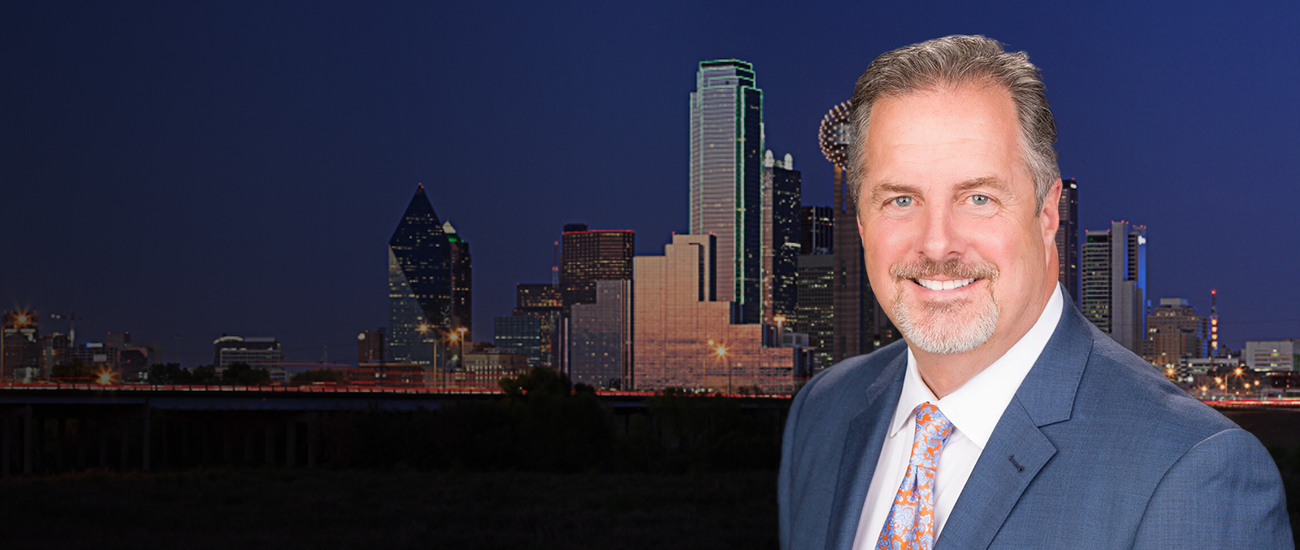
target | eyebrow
x=891, y=188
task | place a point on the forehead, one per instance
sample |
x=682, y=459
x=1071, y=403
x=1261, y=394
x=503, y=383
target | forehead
x=952, y=134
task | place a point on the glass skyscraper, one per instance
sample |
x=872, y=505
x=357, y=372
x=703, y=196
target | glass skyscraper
x=726, y=167
x=419, y=284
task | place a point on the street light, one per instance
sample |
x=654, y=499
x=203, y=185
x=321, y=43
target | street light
x=780, y=330
x=721, y=352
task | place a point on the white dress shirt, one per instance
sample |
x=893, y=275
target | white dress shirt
x=974, y=410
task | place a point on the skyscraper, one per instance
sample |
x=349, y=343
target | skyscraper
x=544, y=303
x=588, y=256
x=726, y=177
x=684, y=338
x=462, y=283
x=1067, y=238
x=816, y=311
x=20, y=349
x=861, y=325
x=816, y=230
x=781, y=240
x=419, y=284
x=601, y=342
x=1174, y=331
x=1114, y=282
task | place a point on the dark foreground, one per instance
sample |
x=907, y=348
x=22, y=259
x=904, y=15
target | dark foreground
x=288, y=509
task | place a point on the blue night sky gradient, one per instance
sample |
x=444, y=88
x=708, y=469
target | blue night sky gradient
x=183, y=170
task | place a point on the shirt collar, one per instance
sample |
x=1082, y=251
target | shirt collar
x=975, y=408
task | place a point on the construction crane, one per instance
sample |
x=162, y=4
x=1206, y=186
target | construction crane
x=72, y=319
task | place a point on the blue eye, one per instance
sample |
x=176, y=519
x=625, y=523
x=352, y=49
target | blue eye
x=980, y=200
x=902, y=201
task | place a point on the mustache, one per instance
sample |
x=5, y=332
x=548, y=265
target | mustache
x=954, y=268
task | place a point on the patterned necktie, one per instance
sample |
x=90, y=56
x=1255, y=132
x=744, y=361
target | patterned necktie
x=910, y=524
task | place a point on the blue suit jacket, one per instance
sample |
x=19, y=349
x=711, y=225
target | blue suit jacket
x=1096, y=450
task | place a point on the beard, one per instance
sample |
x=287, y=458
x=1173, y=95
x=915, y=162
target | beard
x=949, y=326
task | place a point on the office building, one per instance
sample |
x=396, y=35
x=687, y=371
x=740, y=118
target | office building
x=1114, y=282
x=522, y=334
x=462, y=283
x=1273, y=355
x=816, y=230
x=20, y=348
x=133, y=357
x=1175, y=331
x=258, y=352
x=600, y=349
x=726, y=177
x=588, y=256
x=781, y=239
x=545, y=303
x=419, y=285
x=683, y=336
x=370, y=346
x=860, y=324
x=485, y=367
x=1067, y=238
x=816, y=311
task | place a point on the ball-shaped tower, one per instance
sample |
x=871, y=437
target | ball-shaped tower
x=836, y=135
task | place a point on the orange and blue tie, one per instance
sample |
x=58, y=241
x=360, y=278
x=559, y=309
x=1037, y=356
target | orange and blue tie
x=910, y=524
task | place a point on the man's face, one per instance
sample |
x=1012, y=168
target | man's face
x=956, y=250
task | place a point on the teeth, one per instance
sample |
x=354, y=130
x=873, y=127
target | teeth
x=944, y=285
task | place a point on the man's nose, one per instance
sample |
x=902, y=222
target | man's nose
x=940, y=237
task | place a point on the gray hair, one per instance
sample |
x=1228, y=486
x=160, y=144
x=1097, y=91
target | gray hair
x=951, y=61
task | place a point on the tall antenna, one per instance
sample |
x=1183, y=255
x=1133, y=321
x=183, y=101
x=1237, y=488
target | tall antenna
x=555, y=265
x=1214, y=323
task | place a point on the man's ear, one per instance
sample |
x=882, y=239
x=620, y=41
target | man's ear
x=1050, y=215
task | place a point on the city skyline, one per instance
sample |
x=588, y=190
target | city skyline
x=224, y=170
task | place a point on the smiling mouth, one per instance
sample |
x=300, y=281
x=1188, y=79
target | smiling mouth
x=943, y=285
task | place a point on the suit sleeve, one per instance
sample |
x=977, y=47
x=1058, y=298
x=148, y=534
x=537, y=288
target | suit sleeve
x=1225, y=492
x=786, y=476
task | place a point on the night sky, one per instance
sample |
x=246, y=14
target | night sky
x=180, y=171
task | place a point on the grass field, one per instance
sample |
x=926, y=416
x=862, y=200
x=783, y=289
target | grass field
x=289, y=509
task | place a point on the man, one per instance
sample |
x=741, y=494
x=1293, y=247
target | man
x=1006, y=420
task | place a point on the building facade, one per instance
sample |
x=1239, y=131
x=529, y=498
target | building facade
x=1273, y=355
x=520, y=334
x=371, y=346
x=1114, y=282
x=816, y=230
x=419, y=285
x=261, y=352
x=20, y=347
x=1067, y=238
x=600, y=350
x=1175, y=331
x=726, y=159
x=462, y=283
x=781, y=238
x=545, y=303
x=588, y=256
x=861, y=325
x=816, y=311
x=682, y=338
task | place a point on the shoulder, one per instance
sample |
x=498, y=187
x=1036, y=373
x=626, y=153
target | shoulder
x=852, y=379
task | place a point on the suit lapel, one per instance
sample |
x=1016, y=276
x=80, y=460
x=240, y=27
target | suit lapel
x=862, y=442
x=1017, y=450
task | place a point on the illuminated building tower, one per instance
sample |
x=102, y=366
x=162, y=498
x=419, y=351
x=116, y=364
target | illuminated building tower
x=816, y=230
x=1214, y=323
x=462, y=283
x=816, y=311
x=256, y=352
x=1067, y=238
x=861, y=325
x=600, y=349
x=20, y=348
x=588, y=256
x=370, y=346
x=544, y=304
x=1114, y=282
x=683, y=336
x=726, y=177
x=781, y=242
x=1175, y=331
x=419, y=285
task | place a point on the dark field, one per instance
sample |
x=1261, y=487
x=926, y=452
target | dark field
x=288, y=509
x=400, y=508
